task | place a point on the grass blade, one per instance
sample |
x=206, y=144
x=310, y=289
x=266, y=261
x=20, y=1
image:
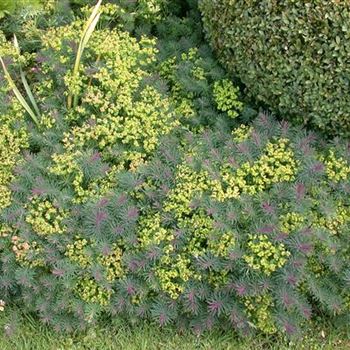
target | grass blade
x=85, y=41
x=17, y=93
x=25, y=82
x=87, y=32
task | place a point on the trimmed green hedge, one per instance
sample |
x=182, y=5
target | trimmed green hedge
x=291, y=55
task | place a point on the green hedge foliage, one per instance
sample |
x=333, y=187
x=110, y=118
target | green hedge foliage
x=151, y=199
x=291, y=55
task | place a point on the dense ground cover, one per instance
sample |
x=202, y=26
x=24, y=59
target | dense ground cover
x=140, y=185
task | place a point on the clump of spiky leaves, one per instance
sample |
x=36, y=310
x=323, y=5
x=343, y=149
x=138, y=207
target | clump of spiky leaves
x=130, y=204
x=250, y=230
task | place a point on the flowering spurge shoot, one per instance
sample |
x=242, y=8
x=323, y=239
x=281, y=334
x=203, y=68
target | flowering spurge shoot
x=225, y=95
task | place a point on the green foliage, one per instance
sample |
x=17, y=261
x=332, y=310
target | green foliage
x=11, y=6
x=225, y=94
x=151, y=199
x=291, y=55
x=149, y=11
x=26, y=333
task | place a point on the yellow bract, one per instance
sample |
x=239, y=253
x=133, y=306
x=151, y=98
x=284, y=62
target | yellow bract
x=88, y=290
x=77, y=252
x=112, y=263
x=277, y=164
x=45, y=218
x=291, y=221
x=264, y=255
x=337, y=169
x=242, y=133
x=226, y=98
x=27, y=254
x=11, y=144
x=258, y=309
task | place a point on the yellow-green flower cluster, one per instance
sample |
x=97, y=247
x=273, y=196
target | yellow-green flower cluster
x=125, y=114
x=5, y=231
x=77, y=252
x=264, y=255
x=242, y=133
x=150, y=117
x=182, y=99
x=167, y=68
x=135, y=159
x=222, y=245
x=105, y=9
x=218, y=279
x=234, y=184
x=30, y=29
x=226, y=97
x=277, y=164
x=27, y=254
x=14, y=137
x=204, y=238
x=140, y=125
x=317, y=268
x=45, y=218
x=347, y=301
x=173, y=272
x=151, y=231
x=96, y=188
x=11, y=144
x=113, y=264
x=258, y=309
x=337, y=169
x=193, y=56
x=334, y=223
x=199, y=227
x=151, y=9
x=88, y=290
x=55, y=37
x=66, y=164
x=291, y=222
x=190, y=184
x=7, y=49
x=47, y=121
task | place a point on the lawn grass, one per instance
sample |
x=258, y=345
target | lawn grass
x=26, y=333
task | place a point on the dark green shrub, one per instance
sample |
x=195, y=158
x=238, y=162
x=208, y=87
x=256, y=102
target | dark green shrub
x=291, y=55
